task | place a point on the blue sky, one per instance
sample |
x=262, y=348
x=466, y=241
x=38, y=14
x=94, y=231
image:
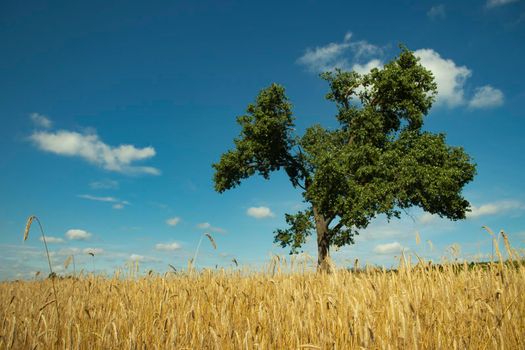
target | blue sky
x=112, y=114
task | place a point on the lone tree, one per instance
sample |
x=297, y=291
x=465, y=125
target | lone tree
x=379, y=161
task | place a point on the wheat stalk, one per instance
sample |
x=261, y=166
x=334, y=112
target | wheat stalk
x=471, y=307
x=28, y=226
x=488, y=230
x=51, y=274
x=192, y=263
x=211, y=240
x=68, y=261
x=507, y=244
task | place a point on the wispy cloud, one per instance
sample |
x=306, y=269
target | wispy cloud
x=78, y=235
x=380, y=230
x=341, y=55
x=437, y=12
x=388, y=248
x=207, y=226
x=325, y=58
x=98, y=199
x=173, y=221
x=427, y=218
x=167, y=246
x=52, y=240
x=118, y=204
x=90, y=148
x=40, y=120
x=142, y=258
x=367, y=67
x=486, y=97
x=204, y=225
x=105, y=184
x=487, y=209
x=68, y=251
x=260, y=212
x=495, y=208
x=497, y=3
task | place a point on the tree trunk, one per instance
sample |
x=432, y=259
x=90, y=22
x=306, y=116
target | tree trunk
x=323, y=243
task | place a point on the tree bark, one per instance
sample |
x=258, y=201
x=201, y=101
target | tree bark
x=323, y=243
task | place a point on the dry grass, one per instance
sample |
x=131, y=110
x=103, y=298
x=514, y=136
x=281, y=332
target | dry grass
x=452, y=307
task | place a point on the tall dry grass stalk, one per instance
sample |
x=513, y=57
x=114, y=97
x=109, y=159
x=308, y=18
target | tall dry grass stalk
x=287, y=306
x=212, y=241
x=52, y=275
x=68, y=261
x=192, y=262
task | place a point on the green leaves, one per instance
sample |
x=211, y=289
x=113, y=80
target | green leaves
x=265, y=142
x=403, y=91
x=300, y=227
x=432, y=174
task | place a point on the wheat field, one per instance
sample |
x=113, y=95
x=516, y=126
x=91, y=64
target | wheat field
x=451, y=306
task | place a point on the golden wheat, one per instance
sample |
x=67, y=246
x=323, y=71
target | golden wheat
x=51, y=273
x=28, y=227
x=425, y=307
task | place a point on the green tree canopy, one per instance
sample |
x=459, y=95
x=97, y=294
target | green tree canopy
x=379, y=161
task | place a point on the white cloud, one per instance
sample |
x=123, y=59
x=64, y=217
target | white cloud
x=119, y=204
x=52, y=240
x=89, y=147
x=335, y=55
x=449, y=77
x=167, y=246
x=78, y=235
x=486, y=97
x=41, y=120
x=487, y=209
x=142, y=258
x=204, y=225
x=68, y=251
x=367, y=67
x=99, y=199
x=381, y=229
x=136, y=257
x=260, y=212
x=437, y=12
x=494, y=208
x=96, y=251
x=104, y=185
x=388, y=248
x=363, y=49
x=427, y=218
x=325, y=58
x=209, y=227
x=496, y=3
x=173, y=221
